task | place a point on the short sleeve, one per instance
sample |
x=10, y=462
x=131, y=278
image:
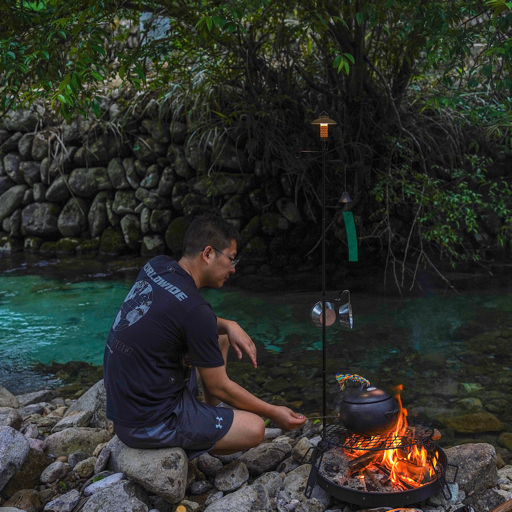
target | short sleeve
x=201, y=333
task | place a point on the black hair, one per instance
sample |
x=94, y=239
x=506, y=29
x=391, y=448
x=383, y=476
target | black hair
x=208, y=230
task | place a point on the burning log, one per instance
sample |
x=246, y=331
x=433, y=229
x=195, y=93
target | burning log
x=362, y=461
x=375, y=480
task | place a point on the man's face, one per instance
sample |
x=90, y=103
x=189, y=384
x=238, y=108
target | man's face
x=220, y=267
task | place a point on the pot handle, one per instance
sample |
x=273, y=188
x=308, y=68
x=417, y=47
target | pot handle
x=344, y=378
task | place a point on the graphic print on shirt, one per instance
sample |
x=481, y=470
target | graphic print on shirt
x=135, y=306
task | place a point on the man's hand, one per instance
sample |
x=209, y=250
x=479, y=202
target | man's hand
x=286, y=419
x=238, y=339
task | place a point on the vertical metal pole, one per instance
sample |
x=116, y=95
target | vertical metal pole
x=324, y=379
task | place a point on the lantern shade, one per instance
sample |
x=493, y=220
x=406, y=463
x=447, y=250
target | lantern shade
x=324, y=121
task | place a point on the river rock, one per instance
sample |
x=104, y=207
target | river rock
x=152, y=177
x=72, y=220
x=148, y=150
x=97, y=216
x=130, y=226
x=200, y=487
x=58, y=191
x=88, y=182
x=289, y=210
x=10, y=417
x=166, y=183
x=175, y=234
x=40, y=146
x=98, y=150
x=152, y=245
x=26, y=499
x=27, y=477
x=54, y=471
x=232, y=476
x=14, y=449
x=477, y=466
x=65, y=503
x=124, y=202
x=5, y=184
x=178, y=132
x=252, y=498
x=25, y=145
x=272, y=481
x=162, y=471
x=95, y=402
x=11, y=143
x=296, y=480
x=158, y=129
x=21, y=120
x=85, y=468
x=75, y=419
x=287, y=465
x=123, y=496
x=160, y=220
x=208, y=464
x=228, y=157
x=84, y=439
x=196, y=156
x=194, y=204
x=265, y=457
x=37, y=397
x=112, y=242
x=62, y=162
x=117, y=174
x=179, y=191
x=474, y=423
x=11, y=200
x=40, y=190
x=40, y=219
x=7, y=399
x=105, y=482
x=235, y=207
x=152, y=200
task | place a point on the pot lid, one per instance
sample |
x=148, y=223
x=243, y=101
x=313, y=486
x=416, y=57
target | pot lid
x=369, y=395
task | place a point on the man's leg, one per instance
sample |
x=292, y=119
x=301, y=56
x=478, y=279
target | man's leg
x=208, y=398
x=247, y=431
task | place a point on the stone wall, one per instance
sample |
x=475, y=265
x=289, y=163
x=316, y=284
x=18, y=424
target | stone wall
x=132, y=187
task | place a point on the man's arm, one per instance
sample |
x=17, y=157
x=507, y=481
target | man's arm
x=238, y=339
x=221, y=386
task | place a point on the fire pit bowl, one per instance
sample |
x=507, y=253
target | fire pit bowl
x=369, y=411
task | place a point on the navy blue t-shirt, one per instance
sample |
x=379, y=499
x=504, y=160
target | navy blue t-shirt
x=163, y=327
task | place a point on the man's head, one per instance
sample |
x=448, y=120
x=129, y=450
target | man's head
x=208, y=230
x=209, y=251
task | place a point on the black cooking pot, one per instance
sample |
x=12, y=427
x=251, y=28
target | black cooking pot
x=369, y=411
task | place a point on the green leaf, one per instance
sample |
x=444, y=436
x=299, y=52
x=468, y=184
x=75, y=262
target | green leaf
x=96, y=75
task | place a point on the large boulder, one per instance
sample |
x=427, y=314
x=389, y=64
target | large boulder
x=62, y=162
x=14, y=449
x=73, y=217
x=11, y=143
x=160, y=220
x=95, y=402
x=162, y=471
x=175, y=234
x=221, y=183
x=179, y=191
x=25, y=145
x=477, y=466
x=88, y=182
x=152, y=245
x=166, y=182
x=152, y=177
x=40, y=219
x=79, y=439
x=112, y=242
x=11, y=200
x=97, y=216
x=148, y=150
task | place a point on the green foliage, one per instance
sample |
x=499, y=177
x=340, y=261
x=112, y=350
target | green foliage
x=407, y=81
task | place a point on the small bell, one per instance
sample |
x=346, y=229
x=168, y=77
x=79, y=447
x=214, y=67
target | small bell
x=345, y=198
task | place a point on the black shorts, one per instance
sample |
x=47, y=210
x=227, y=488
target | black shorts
x=193, y=426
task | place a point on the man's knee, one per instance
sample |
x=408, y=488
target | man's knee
x=257, y=433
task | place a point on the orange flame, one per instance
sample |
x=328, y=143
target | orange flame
x=408, y=467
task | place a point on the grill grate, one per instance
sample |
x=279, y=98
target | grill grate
x=337, y=435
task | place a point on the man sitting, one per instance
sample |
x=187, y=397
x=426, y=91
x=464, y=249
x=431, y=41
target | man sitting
x=163, y=332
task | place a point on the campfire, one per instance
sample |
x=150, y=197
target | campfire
x=399, y=460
